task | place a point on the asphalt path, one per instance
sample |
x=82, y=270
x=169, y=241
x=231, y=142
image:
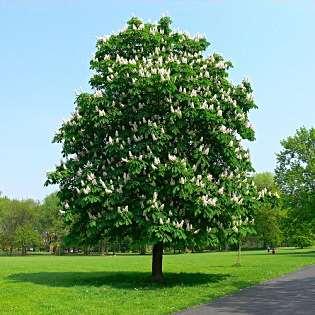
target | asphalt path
x=292, y=294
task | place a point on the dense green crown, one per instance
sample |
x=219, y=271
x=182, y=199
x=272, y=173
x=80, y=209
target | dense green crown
x=295, y=171
x=155, y=152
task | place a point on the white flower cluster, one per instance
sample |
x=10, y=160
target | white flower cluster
x=172, y=158
x=264, y=192
x=176, y=111
x=122, y=209
x=204, y=149
x=178, y=225
x=104, y=38
x=206, y=106
x=154, y=30
x=237, y=223
x=227, y=174
x=107, y=190
x=221, y=64
x=226, y=130
x=156, y=162
x=226, y=97
x=249, y=125
x=155, y=203
x=98, y=93
x=244, y=120
x=198, y=181
x=100, y=112
x=189, y=226
x=237, y=199
x=93, y=181
x=86, y=190
x=206, y=200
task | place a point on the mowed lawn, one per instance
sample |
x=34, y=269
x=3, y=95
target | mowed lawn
x=120, y=285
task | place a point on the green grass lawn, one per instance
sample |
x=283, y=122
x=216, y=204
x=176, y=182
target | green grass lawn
x=120, y=285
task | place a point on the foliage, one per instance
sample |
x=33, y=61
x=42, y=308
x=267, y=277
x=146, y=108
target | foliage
x=268, y=217
x=295, y=175
x=298, y=232
x=155, y=153
x=26, y=223
x=52, y=226
x=15, y=216
x=26, y=236
x=268, y=225
x=302, y=240
x=265, y=180
x=295, y=172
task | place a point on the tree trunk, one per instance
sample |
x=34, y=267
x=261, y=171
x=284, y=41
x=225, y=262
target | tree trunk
x=157, y=261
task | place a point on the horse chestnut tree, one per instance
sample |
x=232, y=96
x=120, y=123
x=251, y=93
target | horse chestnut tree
x=155, y=151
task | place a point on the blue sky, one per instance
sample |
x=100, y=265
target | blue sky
x=46, y=47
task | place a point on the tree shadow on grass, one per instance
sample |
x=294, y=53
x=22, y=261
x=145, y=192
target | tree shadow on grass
x=120, y=280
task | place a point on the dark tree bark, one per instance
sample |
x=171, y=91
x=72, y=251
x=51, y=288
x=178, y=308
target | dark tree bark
x=157, y=262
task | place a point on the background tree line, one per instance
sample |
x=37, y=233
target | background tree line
x=28, y=224
x=31, y=226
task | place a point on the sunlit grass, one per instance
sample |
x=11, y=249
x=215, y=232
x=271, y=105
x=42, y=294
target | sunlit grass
x=121, y=285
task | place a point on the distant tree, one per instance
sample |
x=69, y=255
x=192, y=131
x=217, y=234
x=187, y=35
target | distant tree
x=296, y=233
x=295, y=172
x=6, y=229
x=25, y=236
x=268, y=216
x=265, y=180
x=268, y=222
x=295, y=175
x=51, y=223
x=155, y=153
x=16, y=217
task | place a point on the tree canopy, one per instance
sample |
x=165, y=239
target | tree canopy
x=295, y=172
x=28, y=224
x=268, y=217
x=295, y=175
x=156, y=150
x=18, y=223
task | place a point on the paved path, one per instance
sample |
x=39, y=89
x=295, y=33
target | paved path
x=293, y=294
